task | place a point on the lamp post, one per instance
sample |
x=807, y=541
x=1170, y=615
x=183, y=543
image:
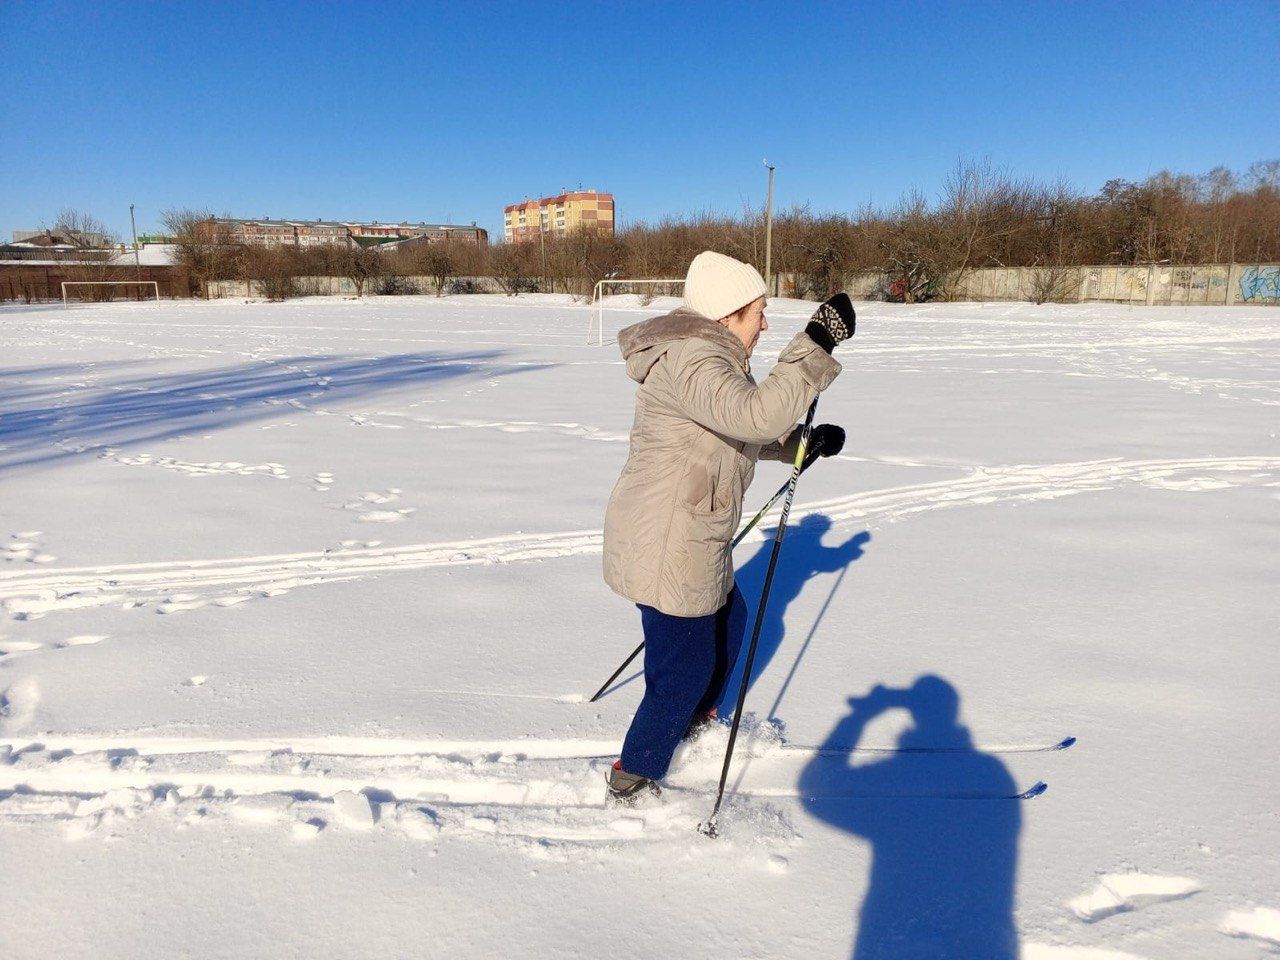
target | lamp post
x=768, y=233
x=133, y=227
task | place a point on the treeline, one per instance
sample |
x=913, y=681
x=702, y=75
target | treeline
x=982, y=216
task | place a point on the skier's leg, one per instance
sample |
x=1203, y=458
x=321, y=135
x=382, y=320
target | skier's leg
x=679, y=657
x=731, y=624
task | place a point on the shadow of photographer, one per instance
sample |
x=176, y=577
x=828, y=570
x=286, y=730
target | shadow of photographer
x=944, y=849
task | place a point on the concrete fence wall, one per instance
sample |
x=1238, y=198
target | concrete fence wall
x=343, y=287
x=1221, y=284
x=1209, y=284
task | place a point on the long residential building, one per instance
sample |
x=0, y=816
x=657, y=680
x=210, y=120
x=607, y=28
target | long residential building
x=307, y=233
x=558, y=216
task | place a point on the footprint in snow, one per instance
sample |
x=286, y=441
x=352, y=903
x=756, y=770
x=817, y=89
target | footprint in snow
x=367, y=504
x=1260, y=923
x=362, y=421
x=181, y=602
x=81, y=640
x=1055, y=951
x=385, y=516
x=25, y=546
x=1124, y=892
x=9, y=648
x=18, y=705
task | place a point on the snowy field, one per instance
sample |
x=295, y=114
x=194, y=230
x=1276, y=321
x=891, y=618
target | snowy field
x=301, y=601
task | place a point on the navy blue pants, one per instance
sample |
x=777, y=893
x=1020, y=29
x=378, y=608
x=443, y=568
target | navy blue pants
x=687, y=661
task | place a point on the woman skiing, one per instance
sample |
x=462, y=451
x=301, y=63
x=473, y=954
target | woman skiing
x=701, y=423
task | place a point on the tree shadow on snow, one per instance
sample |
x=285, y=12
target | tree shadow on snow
x=803, y=557
x=944, y=853
x=50, y=414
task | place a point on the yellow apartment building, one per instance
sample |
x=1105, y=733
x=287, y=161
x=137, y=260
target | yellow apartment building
x=558, y=216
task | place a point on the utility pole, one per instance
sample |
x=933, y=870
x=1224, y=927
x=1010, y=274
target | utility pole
x=133, y=226
x=542, y=243
x=768, y=234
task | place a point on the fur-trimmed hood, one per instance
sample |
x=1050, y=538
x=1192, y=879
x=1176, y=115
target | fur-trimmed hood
x=643, y=344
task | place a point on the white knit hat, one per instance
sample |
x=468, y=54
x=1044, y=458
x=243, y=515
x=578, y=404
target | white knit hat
x=717, y=286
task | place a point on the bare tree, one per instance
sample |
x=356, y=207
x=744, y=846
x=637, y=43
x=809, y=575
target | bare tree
x=205, y=246
x=507, y=263
x=436, y=261
x=1265, y=175
x=590, y=257
x=360, y=265
x=274, y=269
x=1053, y=245
x=93, y=250
x=822, y=256
x=911, y=252
x=981, y=208
x=83, y=230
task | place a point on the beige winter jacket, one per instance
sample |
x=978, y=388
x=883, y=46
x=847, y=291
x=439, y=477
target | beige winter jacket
x=701, y=423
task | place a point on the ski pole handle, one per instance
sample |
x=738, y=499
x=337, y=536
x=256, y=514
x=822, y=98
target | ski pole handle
x=772, y=500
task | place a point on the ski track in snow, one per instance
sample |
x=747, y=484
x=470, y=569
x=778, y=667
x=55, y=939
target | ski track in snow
x=537, y=795
x=176, y=586
x=528, y=792
x=581, y=430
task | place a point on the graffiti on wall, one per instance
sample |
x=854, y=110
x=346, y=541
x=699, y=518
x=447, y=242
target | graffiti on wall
x=1260, y=283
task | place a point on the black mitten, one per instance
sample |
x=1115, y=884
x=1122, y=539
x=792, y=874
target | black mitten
x=825, y=440
x=833, y=322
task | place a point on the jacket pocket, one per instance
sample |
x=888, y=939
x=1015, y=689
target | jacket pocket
x=697, y=490
x=702, y=488
x=698, y=555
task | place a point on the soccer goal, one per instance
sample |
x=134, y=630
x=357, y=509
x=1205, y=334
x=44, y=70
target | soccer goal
x=648, y=288
x=155, y=287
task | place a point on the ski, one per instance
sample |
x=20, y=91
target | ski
x=1030, y=793
x=1064, y=744
x=1034, y=790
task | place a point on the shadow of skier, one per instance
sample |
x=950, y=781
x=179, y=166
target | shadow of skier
x=804, y=556
x=943, y=869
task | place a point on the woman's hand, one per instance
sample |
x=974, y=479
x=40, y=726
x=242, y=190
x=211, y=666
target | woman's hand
x=825, y=440
x=833, y=322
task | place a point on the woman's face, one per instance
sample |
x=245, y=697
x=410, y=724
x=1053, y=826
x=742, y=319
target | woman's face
x=748, y=323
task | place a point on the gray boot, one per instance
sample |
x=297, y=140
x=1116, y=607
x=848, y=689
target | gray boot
x=624, y=789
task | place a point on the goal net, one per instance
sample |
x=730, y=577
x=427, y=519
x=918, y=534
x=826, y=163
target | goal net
x=103, y=291
x=644, y=290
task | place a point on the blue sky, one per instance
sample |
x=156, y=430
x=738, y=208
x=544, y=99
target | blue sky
x=427, y=111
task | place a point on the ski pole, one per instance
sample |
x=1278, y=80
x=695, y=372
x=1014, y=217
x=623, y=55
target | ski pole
x=772, y=500
x=709, y=826
x=736, y=540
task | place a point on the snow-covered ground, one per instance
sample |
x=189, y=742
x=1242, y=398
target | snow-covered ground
x=301, y=602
